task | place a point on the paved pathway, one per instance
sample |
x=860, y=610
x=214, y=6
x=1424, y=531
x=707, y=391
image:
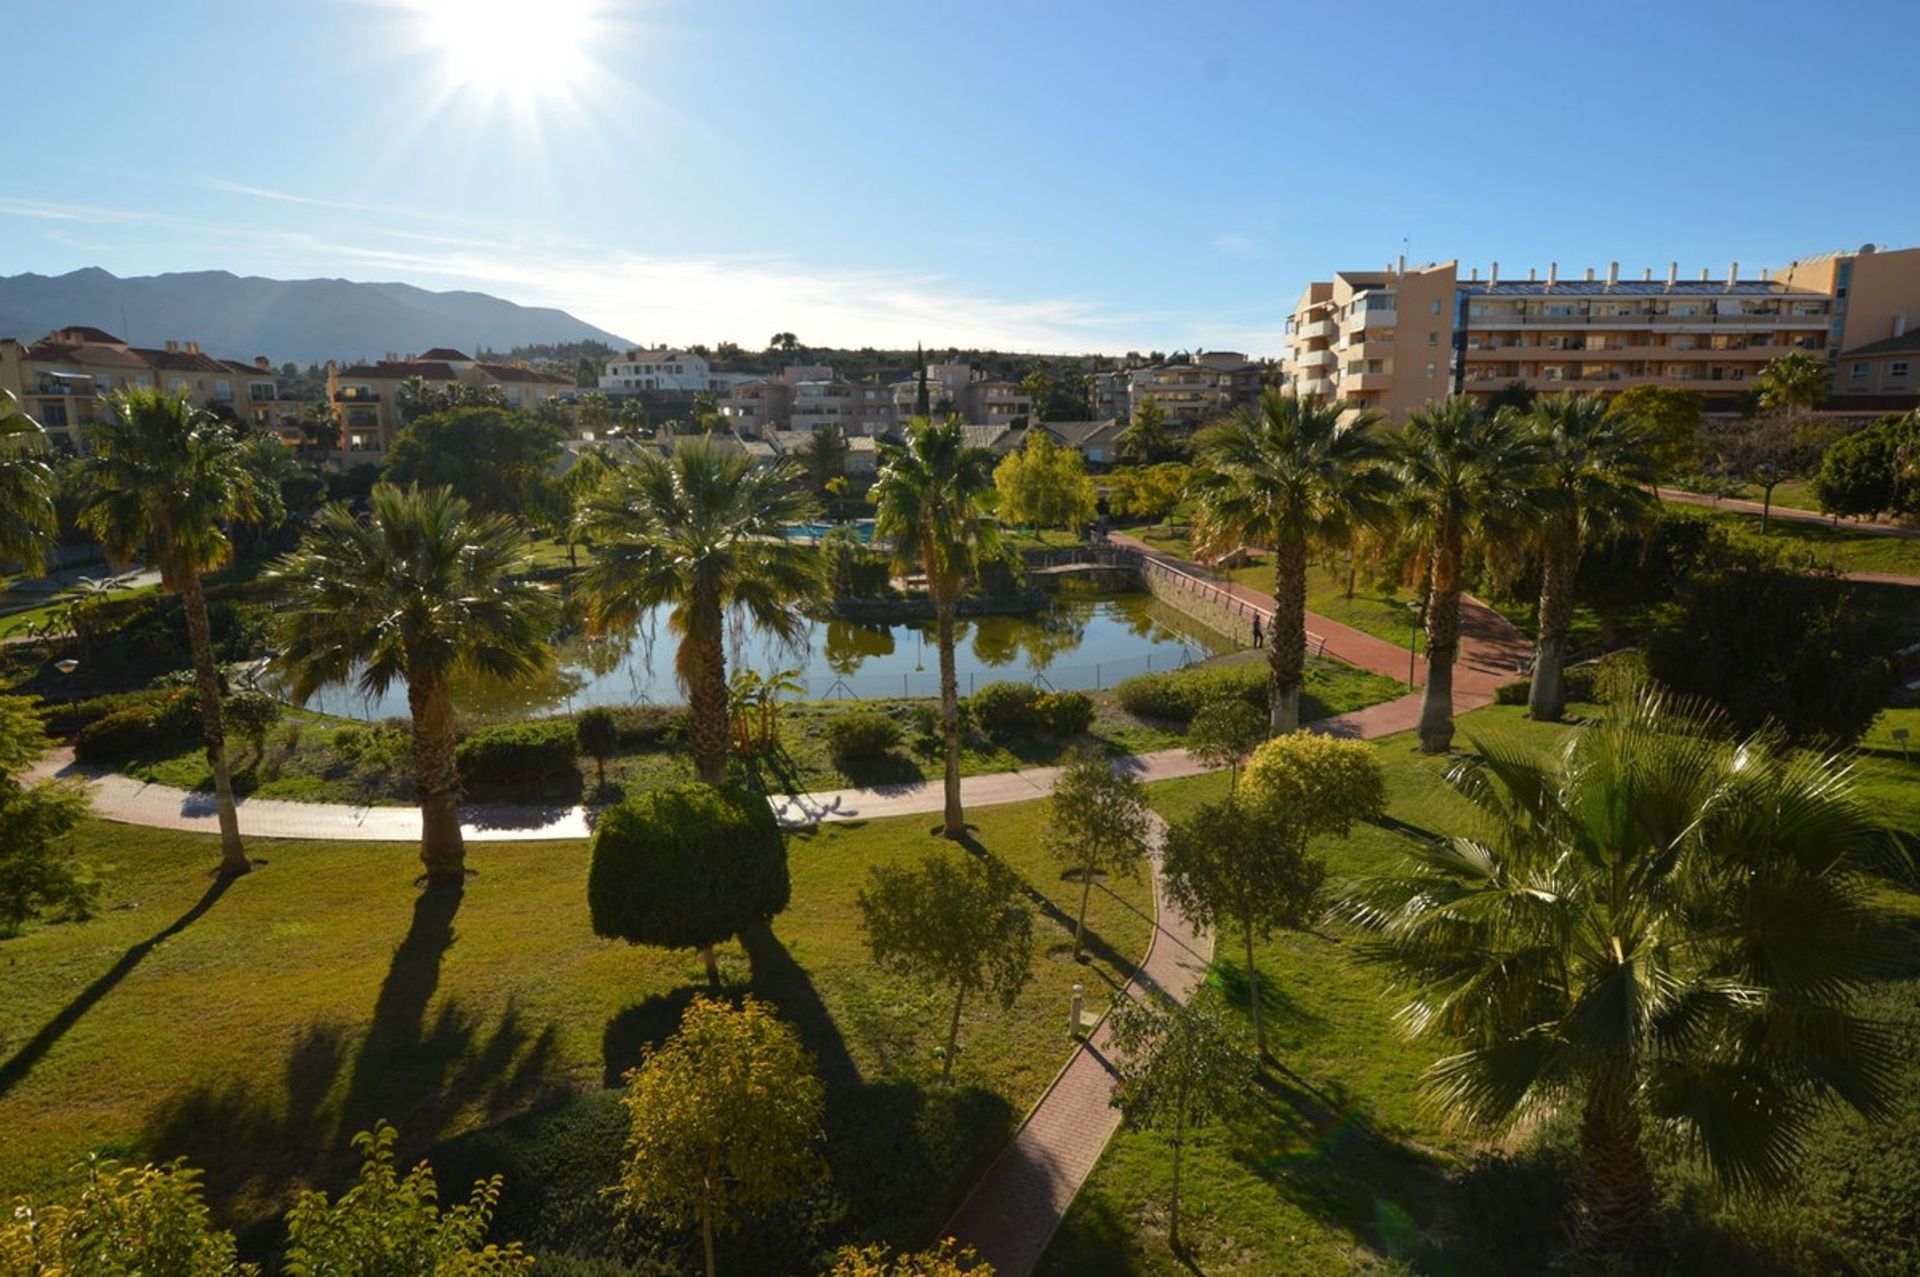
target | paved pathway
x=1015, y=1209
x=1742, y=506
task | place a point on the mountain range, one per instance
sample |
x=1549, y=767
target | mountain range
x=304, y=320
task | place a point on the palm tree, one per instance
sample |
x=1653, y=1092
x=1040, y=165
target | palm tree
x=1597, y=471
x=1289, y=476
x=1793, y=384
x=1662, y=924
x=164, y=478
x=420, y=590
x=27, y=522
x=1464, y=475
x=704, y=532
x=931, y=497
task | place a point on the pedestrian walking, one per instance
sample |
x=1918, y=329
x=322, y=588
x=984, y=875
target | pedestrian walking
x=1257, y=636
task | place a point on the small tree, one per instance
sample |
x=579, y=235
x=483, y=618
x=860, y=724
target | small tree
x=1097, y=822
x=950, y=920
x=1765, y=452
x=36, y=874
x=687, y=867
x=252, y=715
x=726, y=1117
x=1223, y=734
x=393, y=1223
x=1230, y=864
x=1179, y=1066
x=1315, y=785
x=944, y=1260
x=598, y=735
x=144, y=1221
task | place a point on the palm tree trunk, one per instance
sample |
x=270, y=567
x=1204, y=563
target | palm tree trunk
x=1443, y=642
x=1253, y=988
x=1546, y=698
x=956, y=821
x=709, y=717
x=712, y=961
x=436, y=780
x=1287, y=638
x=1616, y=1188
x=953, y=1034
x=206, y=679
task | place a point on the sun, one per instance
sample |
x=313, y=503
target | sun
x=508, y=49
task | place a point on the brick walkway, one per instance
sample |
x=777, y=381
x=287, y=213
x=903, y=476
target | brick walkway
x=1018, y=1204
x=1741, y=506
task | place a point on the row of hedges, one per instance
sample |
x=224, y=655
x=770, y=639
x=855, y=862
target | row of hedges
x=1007, y=708
x=142, y=721
x=1178, y=695
x=517, y=753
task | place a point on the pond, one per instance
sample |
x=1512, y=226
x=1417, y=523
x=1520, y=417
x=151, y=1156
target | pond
x=1081, y=643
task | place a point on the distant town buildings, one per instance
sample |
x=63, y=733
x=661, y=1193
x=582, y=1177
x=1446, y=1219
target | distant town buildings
x=367, y=398
x=1395, y=339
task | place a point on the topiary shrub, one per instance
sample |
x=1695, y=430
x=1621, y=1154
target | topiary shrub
x=1177, y=695
x=517, y=753
x=1515, y=693
x=861, y=736
x=1064, y=713
x=687, y=867
x=1006, y=707
x=163, y=720
x=597, y=734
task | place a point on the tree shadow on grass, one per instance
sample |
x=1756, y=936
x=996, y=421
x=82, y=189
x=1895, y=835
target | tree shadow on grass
x=1093, y=945
x=1094, y=1238
x=645, y=1024
x=22, y=1061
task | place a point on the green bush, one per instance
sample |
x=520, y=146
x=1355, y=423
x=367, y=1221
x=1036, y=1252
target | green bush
x=67, y=718
x=1064, y=713
x=250, y=716
x=517, y=753
x=165, y=720
x=597, y=733
x=649, y=726
x=1178, y=694
x=1006, y=707
x=861, y=736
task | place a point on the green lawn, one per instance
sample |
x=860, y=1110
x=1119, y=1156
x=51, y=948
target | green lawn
x=1336, y=1166
x=1846, y=548
x=299, y=761
x=254, y=1028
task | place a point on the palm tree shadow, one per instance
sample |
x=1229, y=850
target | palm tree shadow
x=22, y=1061
x=399, y=1012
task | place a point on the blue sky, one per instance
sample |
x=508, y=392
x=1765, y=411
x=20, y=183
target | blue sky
x=1059, y=176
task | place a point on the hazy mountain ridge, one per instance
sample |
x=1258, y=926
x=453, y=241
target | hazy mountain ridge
x=303, y=320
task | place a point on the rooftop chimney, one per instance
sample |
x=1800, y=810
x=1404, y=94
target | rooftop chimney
x=1648, y=275
x=1900, y=324
x=1473, y=276
x=193, y=348
x=1532, y=277
x=1733, y=275
x=173, y=347
x=1493, y=276
x=1705, y=275
x=1673, y=275
x=260, y=362
x=1403, y=263
x=1553, y=275
x=1589, y=274
x=1613, y=275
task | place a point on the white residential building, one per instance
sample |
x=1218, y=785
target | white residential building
x=662, y=369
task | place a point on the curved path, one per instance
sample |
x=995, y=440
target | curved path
x=1740, y=505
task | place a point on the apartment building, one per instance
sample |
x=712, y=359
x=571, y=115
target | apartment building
x=961, y=388
x=62, y=381
x=1189, y=391
x=367, y=396
x=660, y=369
x=1395, y=339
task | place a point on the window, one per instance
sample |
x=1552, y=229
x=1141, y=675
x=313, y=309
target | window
x=1429, y=372
x=1433, y=338
x=1858, y=371
x=1898, y=368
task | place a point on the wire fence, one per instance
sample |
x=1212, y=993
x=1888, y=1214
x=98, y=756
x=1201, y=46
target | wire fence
x=1081, y=676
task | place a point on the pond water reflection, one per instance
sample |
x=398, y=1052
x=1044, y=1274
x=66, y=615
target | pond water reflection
x=1080, y=643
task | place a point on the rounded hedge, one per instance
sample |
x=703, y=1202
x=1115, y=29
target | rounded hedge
x=517, y=753
x=861, y=736
x=686, y=867
x=1178, y=694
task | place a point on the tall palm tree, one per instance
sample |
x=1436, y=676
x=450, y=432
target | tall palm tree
x=1662, y=924
x=1289, y=476
x=932, y=498
x=1464, y=476
x=1794, y=384
x=27, y=522
x=701, y=531
x=164, y=478
x=420, y=590
x=1597, y=471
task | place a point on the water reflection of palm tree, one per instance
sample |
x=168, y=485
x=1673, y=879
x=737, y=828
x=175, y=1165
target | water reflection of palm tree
x=1048, y=636
x=996, y=640
x=849, y=645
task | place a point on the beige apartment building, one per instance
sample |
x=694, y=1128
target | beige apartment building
x=62, y=381
x=366, y=396
x=1395, y=339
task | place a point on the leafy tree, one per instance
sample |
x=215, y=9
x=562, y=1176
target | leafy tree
x=943, y=1260
x=166, y=480
x=1595, y=471
x=1225, y=733
x=1044, y=485
x=599, y=736
x=416, y=397
x=1765, y=451
x=786, y=343
x=130, y=1221
x=952, y=920
x=252, y=715
x=1669, y=419
x=1097, y=822
x=1659, y=924
x=1146, y=439
x=27, y=522
x=1863, y=473
x=1794, y=384
x=499, y=461
x=1287, y=475
x=824, y=455
x=726, y=1119
x=931, y=500
x=687, y=867
x=1464, y=478
x=37, y=876
x=1179, y=1066
x=393, y=1223
x=420, y=590
x=701, y=532
x=1822, y=677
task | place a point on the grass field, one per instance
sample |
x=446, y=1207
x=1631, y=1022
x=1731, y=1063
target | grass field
x=1844, y=548
x=254, y=1028
x=1336, y=1166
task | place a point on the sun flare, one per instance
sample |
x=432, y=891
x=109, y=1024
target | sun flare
x=527, y=53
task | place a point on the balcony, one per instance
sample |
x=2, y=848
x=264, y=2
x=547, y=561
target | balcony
x=1318, y=330
x=1372, y=317
x=1320, y=386
x=1356, y=382
x=1315, y=359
